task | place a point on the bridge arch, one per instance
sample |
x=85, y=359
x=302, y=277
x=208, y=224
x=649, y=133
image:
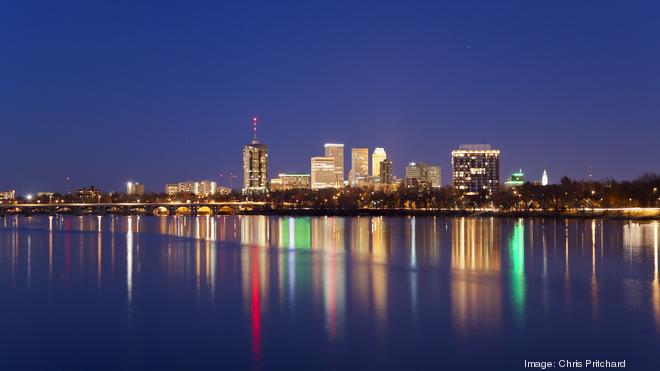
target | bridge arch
x=113, y=210
x=64, y=210
x=87, y=210
x=226, y=210
x=160, y=211
x=204, y=210
x=140, y=210
x=182, y=210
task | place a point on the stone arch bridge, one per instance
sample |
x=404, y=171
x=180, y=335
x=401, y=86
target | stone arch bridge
x=151, y=208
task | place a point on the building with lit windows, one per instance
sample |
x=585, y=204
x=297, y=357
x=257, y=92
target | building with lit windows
x=134, y=189
x=323, y=174
x=198, y=188
x=386, y=175
x=423, y=175
x=515, y=180
x=476, y=169
x=222, y=190
x=289, y=181
x=91, y=194
x=172, y=189
x=336, y=151
x=255, y=165
x=205, y=187
x=7, y=195
x=377, y=157
x=359, y=174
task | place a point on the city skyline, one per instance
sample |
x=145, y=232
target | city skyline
x=105, y=94
x=385, y=185
x=334, y=151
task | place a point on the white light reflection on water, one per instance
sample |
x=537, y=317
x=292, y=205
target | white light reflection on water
x=129, y=264
x=477, y=276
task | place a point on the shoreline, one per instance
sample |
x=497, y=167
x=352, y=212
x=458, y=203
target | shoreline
x=642, y=214
x=617, y=214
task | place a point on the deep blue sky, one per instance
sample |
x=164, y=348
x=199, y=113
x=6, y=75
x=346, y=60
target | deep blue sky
x=106, y=91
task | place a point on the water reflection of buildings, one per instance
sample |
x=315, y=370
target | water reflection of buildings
x=476, y=291
x=656, y=282
x=640, y=244
x=129, y=264
x=378, y=264
x=372, y=266
x=517, y=272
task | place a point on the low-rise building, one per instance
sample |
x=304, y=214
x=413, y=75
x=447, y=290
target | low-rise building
x=8, y=195
x=515, y=180
x=288, y=181
x=134, y=189
x=198, y=188
x=172, y=188
x=222, y=190
x=423, y=175
x=89, y=194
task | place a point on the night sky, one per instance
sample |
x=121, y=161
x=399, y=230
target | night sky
x=109, y=91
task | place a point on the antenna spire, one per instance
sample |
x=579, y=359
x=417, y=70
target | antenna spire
x=254, y=129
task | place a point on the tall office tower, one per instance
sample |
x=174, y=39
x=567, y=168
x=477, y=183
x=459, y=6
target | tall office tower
x=255, y=165
x=423, y=174
x=413, y=171
x=323, y=172
x=544, y=178
x=386, y=176
x=336, y=151
x=476, y=169
x=359, y=166
x=134, y=189
x=433, y=175
x=377, y=157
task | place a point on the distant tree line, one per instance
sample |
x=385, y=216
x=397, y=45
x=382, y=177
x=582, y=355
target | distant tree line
x=569, y=194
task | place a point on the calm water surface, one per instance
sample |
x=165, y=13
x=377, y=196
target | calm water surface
x=256, y=292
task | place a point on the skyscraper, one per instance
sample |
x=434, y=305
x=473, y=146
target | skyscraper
x=359, y=166
x=323, y=172
x=476, y=169
x=433, y=175
x=386, y=176
x=377, y=157
x=544, y=178
x=255, y=164
x=336, y=151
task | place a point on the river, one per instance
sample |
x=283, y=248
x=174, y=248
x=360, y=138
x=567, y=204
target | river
x=314, y=293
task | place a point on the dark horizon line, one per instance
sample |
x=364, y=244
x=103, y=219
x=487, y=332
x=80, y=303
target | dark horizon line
x=604, y=180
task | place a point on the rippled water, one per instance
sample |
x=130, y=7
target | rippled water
x=249, y=292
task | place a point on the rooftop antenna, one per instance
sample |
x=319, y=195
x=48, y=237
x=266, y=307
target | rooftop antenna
x=254, y=129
